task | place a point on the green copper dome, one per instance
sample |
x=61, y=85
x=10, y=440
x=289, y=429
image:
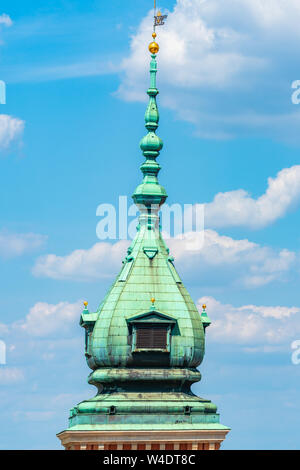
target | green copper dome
x=147, y=272
x=146, y=340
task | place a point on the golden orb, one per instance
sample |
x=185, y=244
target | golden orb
x=154, y=35
x=204, y=306
x=85, y=303
x=153, y=300
x=153, y=47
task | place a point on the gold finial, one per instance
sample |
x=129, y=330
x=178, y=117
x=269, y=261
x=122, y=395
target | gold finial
x=85, y=303
x=153, y=47
x=204, y=306
x=158, y=13
x=152, y=300
x=154, y=35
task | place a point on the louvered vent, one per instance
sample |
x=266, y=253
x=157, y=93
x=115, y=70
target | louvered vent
x=151, y=338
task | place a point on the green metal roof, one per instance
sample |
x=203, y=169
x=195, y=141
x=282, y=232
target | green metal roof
x=145, y=389
x=148, y=271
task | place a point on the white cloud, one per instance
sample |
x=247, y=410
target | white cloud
x=102, y=260
x=10, y=375
x=10, y=130
x=44, y=319
x=226, y=70
x=235, y=261
x=5, y=20
x=17, y=244
x=268, y=15
x=251, y=324
x=238, y=208
x=191, y=53
x=222, y=259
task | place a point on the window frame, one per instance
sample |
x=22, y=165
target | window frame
x=150, y=318
x=151, y=326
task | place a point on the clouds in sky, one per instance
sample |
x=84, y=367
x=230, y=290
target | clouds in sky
x=17, y=244
x=238, y=209
x=252, y=325
x=232, y=261
x=102, y=260
x=44, y=319
x=47, y=331
x=226, y=70
x=11, y=129
x=224, y=260
x=5, y=20
x=246, y=324
x=236, y=261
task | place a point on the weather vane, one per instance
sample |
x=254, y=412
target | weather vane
x=159, y=19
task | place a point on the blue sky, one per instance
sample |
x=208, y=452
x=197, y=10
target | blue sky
x=76, y=75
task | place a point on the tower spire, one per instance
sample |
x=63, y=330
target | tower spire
x=150, y=195
x=146, y=339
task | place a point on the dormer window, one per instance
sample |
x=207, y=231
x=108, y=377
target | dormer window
x=151, y=332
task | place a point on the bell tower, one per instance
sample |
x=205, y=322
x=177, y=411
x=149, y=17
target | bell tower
x=146, y=339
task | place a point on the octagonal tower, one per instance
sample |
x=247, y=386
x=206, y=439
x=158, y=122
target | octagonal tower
x=146, y=340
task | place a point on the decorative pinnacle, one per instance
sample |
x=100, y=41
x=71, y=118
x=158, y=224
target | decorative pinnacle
x=150, y=195
x=153, y=46
x=85, y=303
x=204, y=317
x=158, y=21
x=152, y=301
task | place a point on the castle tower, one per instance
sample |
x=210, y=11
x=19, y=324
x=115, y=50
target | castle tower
x=146, y=340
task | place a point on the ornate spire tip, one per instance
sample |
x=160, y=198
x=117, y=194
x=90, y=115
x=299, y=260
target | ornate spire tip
x=158, y=21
